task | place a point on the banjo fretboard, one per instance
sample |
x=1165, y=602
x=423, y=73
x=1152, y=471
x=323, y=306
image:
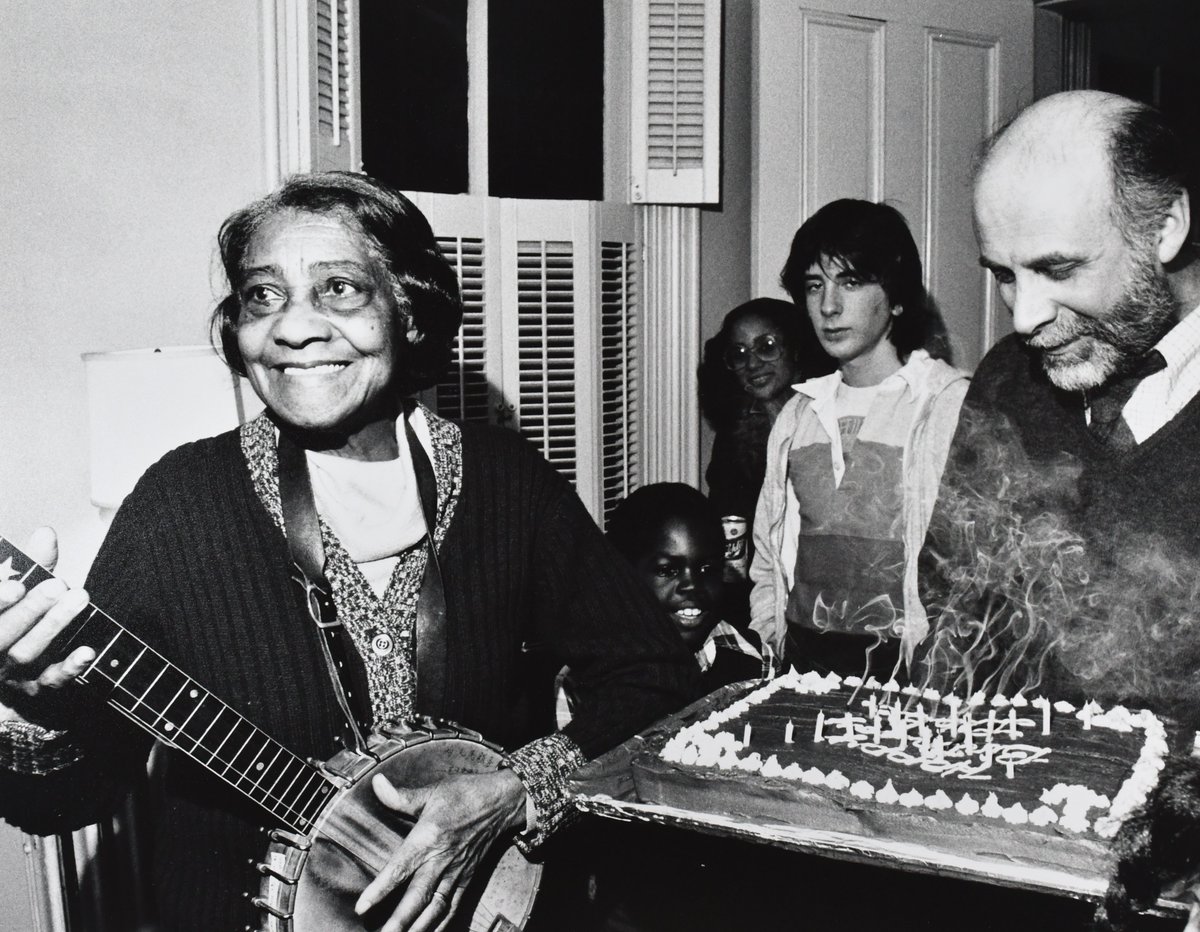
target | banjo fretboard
x=156, y=695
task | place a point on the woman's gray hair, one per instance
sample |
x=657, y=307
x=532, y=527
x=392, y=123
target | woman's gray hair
x=424, y=284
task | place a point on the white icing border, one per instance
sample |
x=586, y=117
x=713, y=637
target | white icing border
x=703, y=745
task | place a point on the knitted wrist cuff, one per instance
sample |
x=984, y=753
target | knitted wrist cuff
x=543, y=766
x=33, y=750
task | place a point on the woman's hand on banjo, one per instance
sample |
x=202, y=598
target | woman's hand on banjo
x=29, y=621
x=458, y=819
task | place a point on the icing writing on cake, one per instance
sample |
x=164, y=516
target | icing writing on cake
x=978, y=739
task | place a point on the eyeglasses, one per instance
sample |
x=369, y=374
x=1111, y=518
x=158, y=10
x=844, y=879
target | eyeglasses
x=767, y=348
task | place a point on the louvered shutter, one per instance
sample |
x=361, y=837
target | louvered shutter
x=313, y=100
x=467, y=233
x=546, y=372
x=334, y=100
x=620, y=362
x=552, y=336
x=675, y=108
x=463, y=393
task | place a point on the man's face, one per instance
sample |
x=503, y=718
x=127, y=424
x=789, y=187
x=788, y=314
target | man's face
x=1079, y=294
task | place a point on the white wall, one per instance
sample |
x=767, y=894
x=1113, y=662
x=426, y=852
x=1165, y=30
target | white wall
x=725, y=260
x=128, y=130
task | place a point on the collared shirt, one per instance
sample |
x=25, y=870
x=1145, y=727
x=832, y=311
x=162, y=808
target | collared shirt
x=727, y=636
x=1159, y=397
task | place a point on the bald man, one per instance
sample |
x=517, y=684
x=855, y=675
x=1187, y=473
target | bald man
x=1066, y=537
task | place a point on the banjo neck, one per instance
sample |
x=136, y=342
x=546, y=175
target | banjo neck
x=160, y=698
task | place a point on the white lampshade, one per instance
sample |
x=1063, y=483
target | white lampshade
x=144, y=402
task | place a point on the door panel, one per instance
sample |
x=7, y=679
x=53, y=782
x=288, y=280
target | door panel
x=887, y=100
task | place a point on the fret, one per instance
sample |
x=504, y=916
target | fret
x=116, y=664
x=302, y=770
x=274, y=779
x=224, y=741
x=180, y=708
x=200, y=720
x=318, y=791
x=221, y=710
x=244, y=758
x=265, y=770
x=283, y=804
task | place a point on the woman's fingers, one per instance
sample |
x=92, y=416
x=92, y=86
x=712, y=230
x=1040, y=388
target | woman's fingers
x=59, y=675
x=458, y=819
x=455, y=900
x=415, y=867
x=43, y=547
x=440, y=910
x=42, y=625
x=407, y=801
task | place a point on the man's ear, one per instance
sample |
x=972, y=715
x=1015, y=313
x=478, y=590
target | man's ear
x=1174, y=231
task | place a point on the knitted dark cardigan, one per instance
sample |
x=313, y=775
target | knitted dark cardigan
x=194, y=565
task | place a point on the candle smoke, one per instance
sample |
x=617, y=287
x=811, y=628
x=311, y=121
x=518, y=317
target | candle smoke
x=1017, y=597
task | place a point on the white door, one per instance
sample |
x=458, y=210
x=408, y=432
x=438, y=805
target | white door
x=887, y=100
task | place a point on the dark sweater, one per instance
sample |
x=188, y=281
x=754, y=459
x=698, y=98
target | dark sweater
x=1051, y=538
x=195, y=566
x=738, y=463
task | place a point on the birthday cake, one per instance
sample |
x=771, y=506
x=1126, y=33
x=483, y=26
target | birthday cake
x=1022, y=779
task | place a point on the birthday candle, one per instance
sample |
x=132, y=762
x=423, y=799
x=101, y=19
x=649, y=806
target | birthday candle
x=876, y=728
x=787, y=731
x=952, y=701
x=1012, y=723
x=991, y=723
x=746, y=735
x=1045, y=716
x=970, y=728
x=817, y=732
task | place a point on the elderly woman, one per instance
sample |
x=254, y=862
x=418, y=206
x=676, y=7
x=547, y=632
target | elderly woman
x=854, y=459
x=451, y=553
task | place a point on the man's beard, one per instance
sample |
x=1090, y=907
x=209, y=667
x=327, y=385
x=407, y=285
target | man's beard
x=1113, y=344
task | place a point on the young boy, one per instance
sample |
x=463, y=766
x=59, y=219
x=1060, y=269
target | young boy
x=673, y=537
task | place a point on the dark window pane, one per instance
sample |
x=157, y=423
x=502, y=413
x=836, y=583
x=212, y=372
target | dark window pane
x=546, y=98
x=414, y=93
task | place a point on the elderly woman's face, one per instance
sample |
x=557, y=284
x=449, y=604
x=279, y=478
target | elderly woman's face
x=317, y=322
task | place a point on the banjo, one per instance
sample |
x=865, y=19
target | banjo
x=332, y=841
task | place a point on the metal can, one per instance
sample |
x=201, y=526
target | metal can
x=736, y=562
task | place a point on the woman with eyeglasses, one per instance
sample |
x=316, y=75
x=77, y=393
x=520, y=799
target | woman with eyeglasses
x=855, y=457
x=763, y=347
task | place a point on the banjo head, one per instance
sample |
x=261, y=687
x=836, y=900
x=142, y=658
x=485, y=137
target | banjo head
x=356, y=834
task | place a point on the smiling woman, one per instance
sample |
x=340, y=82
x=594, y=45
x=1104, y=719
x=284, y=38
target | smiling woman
x=339, y=568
